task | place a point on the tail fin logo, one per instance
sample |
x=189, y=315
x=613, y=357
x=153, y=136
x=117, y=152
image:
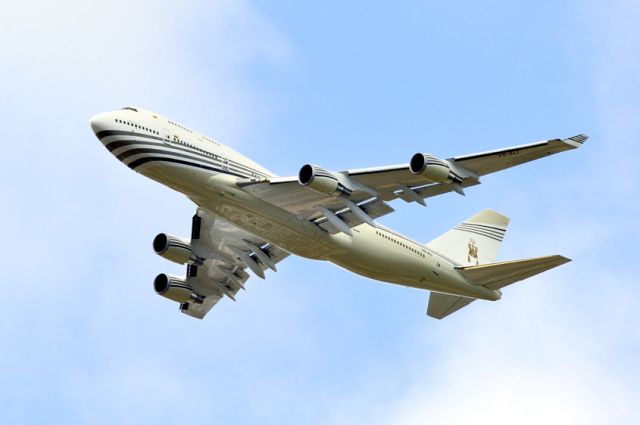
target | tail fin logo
x=473, y=251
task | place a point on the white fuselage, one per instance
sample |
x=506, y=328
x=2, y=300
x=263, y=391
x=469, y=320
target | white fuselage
x=207, y=172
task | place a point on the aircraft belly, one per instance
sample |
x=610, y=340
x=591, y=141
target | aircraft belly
x=218, y=194
x=289, y=235
x=366, y=255
x=183, y=179
x=265, y=220
x=369, y=256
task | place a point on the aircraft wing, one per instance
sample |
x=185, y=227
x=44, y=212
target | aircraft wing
x=374, y=187
x=228, y=251
x=489, y=162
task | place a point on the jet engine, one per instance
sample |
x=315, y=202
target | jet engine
x=175, y=249
x=433, y=168
x=176, y=289
x=322, y=181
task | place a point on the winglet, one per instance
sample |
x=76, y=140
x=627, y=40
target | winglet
x=576, y=141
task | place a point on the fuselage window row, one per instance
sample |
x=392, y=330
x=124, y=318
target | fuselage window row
x=150, y=130
x=401, y=244
x=179, y=126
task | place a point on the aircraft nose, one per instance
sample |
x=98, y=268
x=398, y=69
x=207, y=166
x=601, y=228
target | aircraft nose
x=98, y=122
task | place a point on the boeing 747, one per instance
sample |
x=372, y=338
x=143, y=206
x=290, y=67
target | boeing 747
x=249, y=219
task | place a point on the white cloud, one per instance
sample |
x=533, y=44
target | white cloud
x=67, y=55
x=543, y=354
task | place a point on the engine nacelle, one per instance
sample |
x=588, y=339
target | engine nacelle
x=322, y=181
x=175, y=249
x=175, y=289
x=433, y=168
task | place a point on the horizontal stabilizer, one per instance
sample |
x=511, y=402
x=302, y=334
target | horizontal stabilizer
x=499, y=275
x=442, y=305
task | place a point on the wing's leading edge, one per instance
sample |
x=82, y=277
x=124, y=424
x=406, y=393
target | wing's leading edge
x=397, y=181
x=489, y=162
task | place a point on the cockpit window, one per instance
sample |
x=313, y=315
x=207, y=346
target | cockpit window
x=130, y=108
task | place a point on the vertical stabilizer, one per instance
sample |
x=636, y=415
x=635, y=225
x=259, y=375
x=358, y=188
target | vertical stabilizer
x=474, y=242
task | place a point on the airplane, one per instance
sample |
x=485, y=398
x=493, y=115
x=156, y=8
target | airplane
x=249, y=219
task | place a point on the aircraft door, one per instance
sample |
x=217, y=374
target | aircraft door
x=167, y=136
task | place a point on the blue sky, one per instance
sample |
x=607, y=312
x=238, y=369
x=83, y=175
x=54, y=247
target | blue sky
x=85, y=339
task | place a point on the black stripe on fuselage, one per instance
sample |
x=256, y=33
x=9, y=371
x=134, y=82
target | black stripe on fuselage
x=138, y=162
x=173, y=158
x=196, y=156
x=190, y=149
x=106, y=133
x=171, y=150
x=139, y=151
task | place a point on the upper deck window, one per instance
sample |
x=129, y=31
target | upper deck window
x=130, y=109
